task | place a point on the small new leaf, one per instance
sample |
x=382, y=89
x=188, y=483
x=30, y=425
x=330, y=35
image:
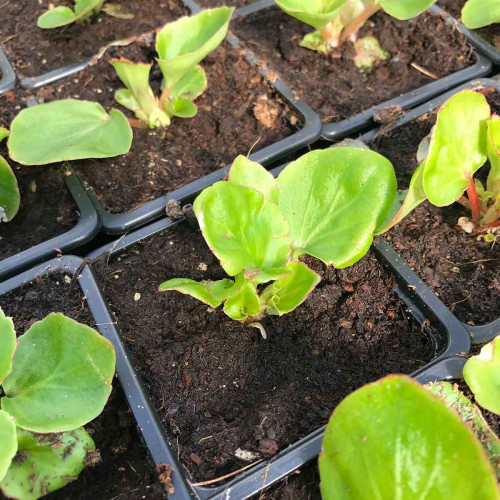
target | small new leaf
x=8, y=345
x=10, y=198
x=62, y=16
x=244, y=303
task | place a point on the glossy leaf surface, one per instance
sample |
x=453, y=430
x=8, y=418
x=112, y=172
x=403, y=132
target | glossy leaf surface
x=333, y=201
x=68, y=130
x=493, y=181
x=315, y=13
x=244, y=303
x=8, y=345
x=482, y=374
x=61, y=378
x=8, y=442
x=10, y=198
x=479, y=13
x=405, y=9
x=61, y=16
x=392, y=439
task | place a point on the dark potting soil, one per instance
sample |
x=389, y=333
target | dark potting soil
x=125, y=469
x=490, y=33
x=218, y=386
x=461, y=270
x=335, y=88
x=47, y=207
x=34, y=51
x=209, y=4
x=237, y=113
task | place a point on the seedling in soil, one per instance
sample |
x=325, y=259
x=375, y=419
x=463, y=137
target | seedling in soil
x=180, y=45
x=480, y=13
x=83, y=12
x=394, y=439
x=337, y=21
x=54, y=379
x=327, y=204
x=10, y=197
x=465, y=136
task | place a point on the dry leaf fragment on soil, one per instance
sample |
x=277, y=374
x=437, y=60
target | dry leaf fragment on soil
x=266, y=112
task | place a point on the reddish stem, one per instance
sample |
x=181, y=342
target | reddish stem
x=137, y=123
x=493, y=224
x=475, y=205
x=358, y=22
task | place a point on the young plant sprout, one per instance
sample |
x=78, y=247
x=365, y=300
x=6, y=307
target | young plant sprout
x=480, y=13
x=180, y=45
x=83, y=12
x=55, y=379
x=327, y=204
x=337, y=21
x=10, y=197
x=465, y=136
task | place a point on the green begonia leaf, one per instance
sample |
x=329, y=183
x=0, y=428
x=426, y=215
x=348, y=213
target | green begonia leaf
x=8, y=344
x=242, y=228
x=10, y=197
x=245, y=172
x=479, y=13
x=258, y=277
x=405, y=9
x=46, y=463
x=482, y=374
x=315, y=13
x=68, y=130
x=245, y=302
x=285, y=294
x=407, y=201
x=493, y=181
x=8, y=442
x=4, y=133
x=458, y=147
x=61, y=16
x=334, y=200
x=393, y=440
x=184, y=108
x=182, y=44
x=191, y=85
x=212, y=293
x=61, y=378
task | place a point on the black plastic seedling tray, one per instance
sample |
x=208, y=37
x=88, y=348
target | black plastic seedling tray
x=477, y=40
x=7, y=75
x=483, y=333
x=450, y=339
x=87, y=227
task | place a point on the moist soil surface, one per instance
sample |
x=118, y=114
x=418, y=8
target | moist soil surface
x=125, y=469
x=490, y=33
x=218, y=386
x=461, y=270
x=209, y=4
x=47, y=207
x=34, y=51
x=334, y=87
x=237, y=113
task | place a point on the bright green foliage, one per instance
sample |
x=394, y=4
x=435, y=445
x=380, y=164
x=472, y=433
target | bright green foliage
x=68, y=130
x=61, y=16
x=60, y=380
x=4, y=133
x=326, y=204
x=482, y=374
x=181, y=45
x=339, y=20
x=464, y=137
x=8, y=345
x=10, y=197
x=473, y=417
x=46, y=462
x=479, y=13
x=392, y=439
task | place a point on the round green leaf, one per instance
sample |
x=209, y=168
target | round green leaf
x=61, y=377
x=458, y=147
x=182, y=44
x=393, y=440
x=61, y=16
x=8, y=442
x=479, y=13
x=482, y=374
x=45, y=463
x=405, y=9
x=10, y=197
x=242, y=228
x=315, y=13
x=334, y=200
x=8, y=345
x=68, y=130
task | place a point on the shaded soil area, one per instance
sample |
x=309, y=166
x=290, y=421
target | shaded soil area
x=461, y=270
x=334, y=87
x=47, y=207
x=237, y=113
x=490, y=33
x=34, y=51
x=125, y=469
x=209, y=4
x=218, y=386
